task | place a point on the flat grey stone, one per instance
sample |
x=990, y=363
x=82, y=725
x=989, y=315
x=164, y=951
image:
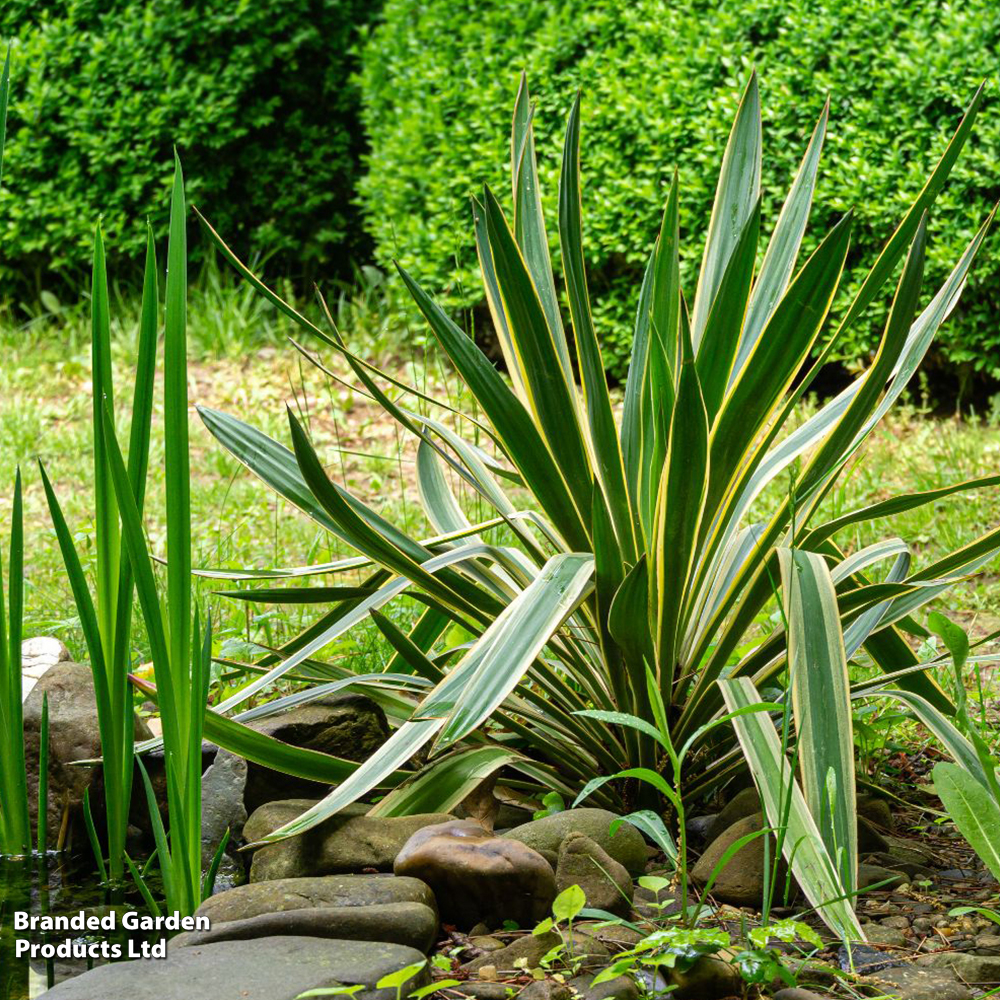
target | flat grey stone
x=910, y=982
x=412, y=924
x=271, y=968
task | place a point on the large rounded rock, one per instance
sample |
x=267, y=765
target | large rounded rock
x=606, y=884
x=477, y=877
x=222, y=810
x=74, y=734
x=351, y=841
x=746, y=802
x=350, y=726
x=626, y=846
x=271, y=968
x=741, y=881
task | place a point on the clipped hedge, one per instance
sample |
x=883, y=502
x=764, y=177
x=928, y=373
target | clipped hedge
x=256, y=97
x=660, y=84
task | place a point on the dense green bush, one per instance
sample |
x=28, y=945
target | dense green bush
x=256, y=97
x=660, y=84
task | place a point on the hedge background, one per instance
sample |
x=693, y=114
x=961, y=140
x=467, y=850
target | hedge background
x=661, y=81
x=255, y=96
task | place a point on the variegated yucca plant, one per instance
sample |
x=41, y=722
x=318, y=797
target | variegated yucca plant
x=641, y=550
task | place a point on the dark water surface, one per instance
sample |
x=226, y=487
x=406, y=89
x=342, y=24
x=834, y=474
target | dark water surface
x=51, y=885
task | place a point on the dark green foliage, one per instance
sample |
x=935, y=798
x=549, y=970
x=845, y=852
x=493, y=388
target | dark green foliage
x=256, y=97
x=660, y=82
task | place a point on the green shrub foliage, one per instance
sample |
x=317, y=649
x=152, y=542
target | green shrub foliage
x=256, y=97
x=660, y=82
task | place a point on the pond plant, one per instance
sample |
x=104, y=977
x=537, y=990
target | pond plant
x=642, y=545
x=15, y=828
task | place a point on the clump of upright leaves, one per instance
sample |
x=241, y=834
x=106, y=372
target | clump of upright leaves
x=637, y=543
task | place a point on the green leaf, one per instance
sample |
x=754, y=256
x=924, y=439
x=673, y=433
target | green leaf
x=529, y=222
x=440, y=787
x=783, y=249
x=820, y=687
x=974, y=811
x=568, y=904
x=600, y=418
x=735, y=197
x=785, y=805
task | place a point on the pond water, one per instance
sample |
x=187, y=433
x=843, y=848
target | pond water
x=54, y=885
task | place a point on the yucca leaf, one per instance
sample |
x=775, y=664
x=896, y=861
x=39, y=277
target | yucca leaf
x=717, y=352
x=551, y=394
x=783, y=346
x=783, y=249
x=820, y=688
x=785, y=806
x=507, y=648
x=260, y=748
x=680, y=504
x=901, y=238
x=409, y=652
x=442, y=786
x=600, y=419
x=529, y=223
x=735, y=197
x=514, y=425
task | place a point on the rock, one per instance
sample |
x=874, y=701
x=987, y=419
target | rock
x=744, y=803
x=330, y=890
x=351, y=841
x=605, y=883
x=74, y=735
x=529, y=950
x=478, y=877
x=988, y=944
x=481, y=990
x=352, y=907
x=910, y=982
x=876, y=810
x=910, y=851
x=272, y=968
x=888, y=937
x=870, y=841
x=485, y=943
x=545, y=989
x=626, y=846
x=411, y=924
x=655, y=905
x=741, y=881
x=37, y=655
x=709, y=977
x=969, y=968
x=898, y=921
x=698, y=828
x=222, y=806
x=343, y=725
x=796, y=993
x=869, y=875
x=616, y=936
x=619, y=988
x=911, y=869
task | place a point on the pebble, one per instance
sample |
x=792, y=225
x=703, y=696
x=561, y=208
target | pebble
x=900, y=922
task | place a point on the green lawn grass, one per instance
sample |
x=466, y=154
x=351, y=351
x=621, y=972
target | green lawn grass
x=243, y=364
